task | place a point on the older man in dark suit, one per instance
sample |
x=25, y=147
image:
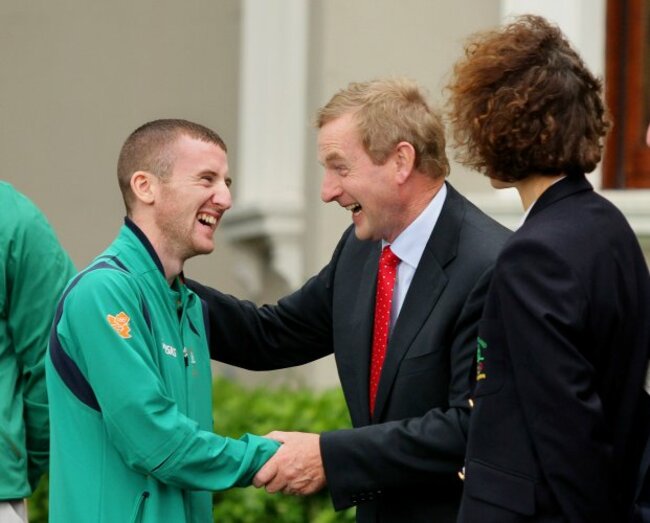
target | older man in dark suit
x=398, y=305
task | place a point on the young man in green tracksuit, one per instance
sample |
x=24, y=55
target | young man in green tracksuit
x=128, y=371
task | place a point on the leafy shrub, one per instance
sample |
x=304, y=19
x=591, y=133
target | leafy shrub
x=260, y=410
x=38, y=503
x=238, y=409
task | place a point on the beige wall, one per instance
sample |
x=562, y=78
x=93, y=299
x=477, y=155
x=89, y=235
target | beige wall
x=78, y=77
x=366, y=39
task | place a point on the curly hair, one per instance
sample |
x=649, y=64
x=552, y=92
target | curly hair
x=388, y=111
x=522, y=101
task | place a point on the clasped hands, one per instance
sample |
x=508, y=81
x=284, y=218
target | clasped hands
x=297, y=466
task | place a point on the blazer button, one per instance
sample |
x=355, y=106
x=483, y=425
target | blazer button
x=471, y=403
x=461, y=474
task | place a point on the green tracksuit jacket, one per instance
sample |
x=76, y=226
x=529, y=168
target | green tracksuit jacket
x=129, y=381
x=33, y=272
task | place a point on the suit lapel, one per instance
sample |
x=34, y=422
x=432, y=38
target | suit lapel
x=428, y=283
x=360, y=341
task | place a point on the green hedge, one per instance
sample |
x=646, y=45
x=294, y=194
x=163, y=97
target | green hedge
x=260, y=410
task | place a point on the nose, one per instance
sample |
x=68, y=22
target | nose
x=647, y=136
x=330, y=188
x=222, y=197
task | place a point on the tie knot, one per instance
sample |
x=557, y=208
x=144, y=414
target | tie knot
x=388, y=257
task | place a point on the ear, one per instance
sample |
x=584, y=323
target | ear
x=404, y=161
x=143, y=186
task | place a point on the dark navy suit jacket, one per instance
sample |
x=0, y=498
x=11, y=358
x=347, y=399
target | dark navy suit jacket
x=399, y=465
x=560, y=417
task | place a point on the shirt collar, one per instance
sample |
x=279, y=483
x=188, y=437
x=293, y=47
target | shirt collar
x=145, y=242
x=410, y=243
x=525, y=216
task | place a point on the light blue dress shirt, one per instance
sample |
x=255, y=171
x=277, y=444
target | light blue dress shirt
x=409, y=246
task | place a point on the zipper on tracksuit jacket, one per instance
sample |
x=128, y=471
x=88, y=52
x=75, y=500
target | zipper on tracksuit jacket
x=139, y=507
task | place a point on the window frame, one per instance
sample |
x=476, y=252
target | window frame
x=626, y=162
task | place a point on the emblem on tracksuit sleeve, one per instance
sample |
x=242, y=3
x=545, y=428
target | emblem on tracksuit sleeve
x=481, y=345
x=120, y=322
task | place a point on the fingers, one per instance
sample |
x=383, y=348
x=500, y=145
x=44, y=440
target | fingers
x=296, y=468
x=266, y=473
x=288, y=491
x=277, y=484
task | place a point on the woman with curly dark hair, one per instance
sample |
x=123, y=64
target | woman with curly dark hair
x=560, y=416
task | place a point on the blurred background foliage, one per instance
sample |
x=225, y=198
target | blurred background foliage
x=259, y=410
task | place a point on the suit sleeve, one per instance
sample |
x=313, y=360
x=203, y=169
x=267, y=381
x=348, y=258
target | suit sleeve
x=362, y=463
x=38, y=271
x=141, y=416
x=295, y=331
x=546, y=310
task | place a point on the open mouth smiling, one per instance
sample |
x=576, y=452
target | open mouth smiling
x=207, y=219
x=355, y=208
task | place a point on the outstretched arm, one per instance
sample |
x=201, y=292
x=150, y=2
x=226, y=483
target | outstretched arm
x=361, y=463
x=142, y=418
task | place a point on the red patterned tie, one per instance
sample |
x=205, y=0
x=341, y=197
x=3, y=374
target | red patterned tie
x=383, y=301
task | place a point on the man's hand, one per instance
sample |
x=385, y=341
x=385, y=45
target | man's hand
x=296, y=468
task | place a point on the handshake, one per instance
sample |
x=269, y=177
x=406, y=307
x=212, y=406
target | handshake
x=296, y=468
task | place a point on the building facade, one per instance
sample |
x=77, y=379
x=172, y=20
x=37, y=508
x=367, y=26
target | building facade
x=78, y=77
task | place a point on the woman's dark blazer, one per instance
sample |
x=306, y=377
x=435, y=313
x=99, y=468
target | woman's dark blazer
x=560, y=415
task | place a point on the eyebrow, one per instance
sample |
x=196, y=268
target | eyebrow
x=208, y=171
x=332, y=157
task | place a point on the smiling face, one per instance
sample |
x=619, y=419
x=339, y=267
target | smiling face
x=191, y=201
x=353, y=181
